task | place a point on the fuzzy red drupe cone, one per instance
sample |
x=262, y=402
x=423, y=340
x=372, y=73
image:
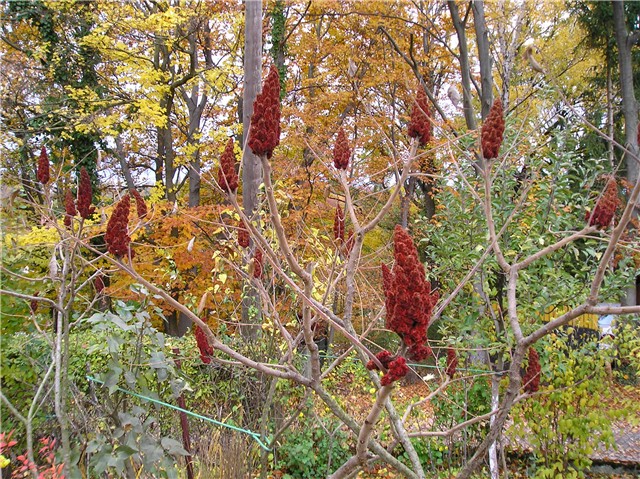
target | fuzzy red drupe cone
x=420, y=124
x=141, y=206
x=384, y=356
x=348, y=246
x=531, y=379
x=243, y=235
x=338, y=225
x=69, y=208
x=264, y=132
x=257, y=264
x=606, y=206
x=341, y=151
x=117, y=235
x=408, y=297
x=43, y=167
x=397, y=369
x=206, y=351
x=452, y=362
x=84, y=195
x=33, y=304
x=493, y=131
x=227, y=176
x=98, y=284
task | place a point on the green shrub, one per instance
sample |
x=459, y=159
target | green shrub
x=313, y=449
x=626, y=351
x=566, y=420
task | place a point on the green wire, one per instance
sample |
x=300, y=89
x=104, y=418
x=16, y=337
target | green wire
x=428, y=366
x=254, y=435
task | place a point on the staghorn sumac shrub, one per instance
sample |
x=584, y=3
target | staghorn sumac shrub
x=397, y=370
x=43, y=167
x=531, y=378
x=243, y=235
x=606, y=206
x=227, y=176
x=348, y=246
x=396, y=367
x=452, y=362
x=493, y=131
x=206, y=351
x=420, y=123
x=117, y=235
x=141, y=206
x=384, y=356
x=69, y=208
x=264, y=133
x=341, y=151
x=84, y=195
x=409, y=300
x=257, y=264
x=98, y=284
x=33, y=304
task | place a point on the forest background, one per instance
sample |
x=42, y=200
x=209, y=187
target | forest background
x=502, y=136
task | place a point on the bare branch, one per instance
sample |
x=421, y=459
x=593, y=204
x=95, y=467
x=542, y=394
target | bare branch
x=29, y=297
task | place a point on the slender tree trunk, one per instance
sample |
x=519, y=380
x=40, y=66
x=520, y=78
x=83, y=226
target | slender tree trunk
x=629, y=104
x=278, y=21
x=122, y=158
x=60, y=355
x=482, y=40
x=169, y=155
x=405, y=201
x=508, y=42
x=196, y=103
x=629, y=107
x=495, y=430
x=493, y=450
x=307, y=154
x=251, y=168
x=194, y=180
x=465, y=70
x=196, y=108
x=159, y=159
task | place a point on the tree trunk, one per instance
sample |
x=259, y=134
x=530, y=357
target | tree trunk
x=499, y=419
x=493, y=450
x=169, y=155
x=508, y=43
x=465, y=70
x=629, y=104
x=194, y=180
x=406, y=200
x=629, y=107
x=196, y=103
x=484, y=56
x=251, y=168
x=122, y=158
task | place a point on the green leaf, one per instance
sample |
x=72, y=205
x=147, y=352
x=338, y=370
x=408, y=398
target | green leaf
x=173, y=447
x=111, y=379
x=125, y=451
